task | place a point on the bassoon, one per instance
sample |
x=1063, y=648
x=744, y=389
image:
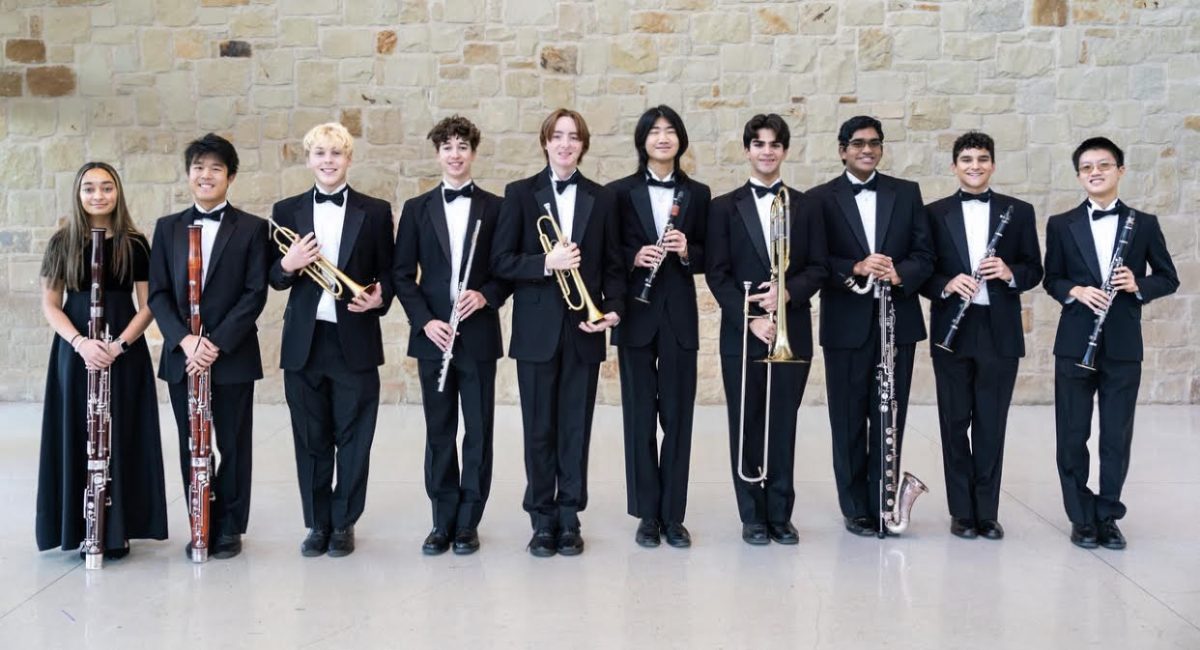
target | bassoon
x=199, y=413
x=99, y=421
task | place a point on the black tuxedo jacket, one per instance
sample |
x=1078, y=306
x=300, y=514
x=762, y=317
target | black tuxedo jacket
x=674, y=290
x=538, y=305
x=901, y=232
x=365, y=255
x=423, y=246
x=1071, y=261
x=737, y=252
x=1019, y=249
x=234, y=294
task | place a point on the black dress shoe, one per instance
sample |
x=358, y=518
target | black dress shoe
x=861, y=526
x=227, y=546
x=316, y=543
x=341, y=542
x=570, y=542
x=964, y=528
x=649, y=533
x=783, y=533
x=990, y=529
x=755, y=534
x=436, y=542
x=543, y=543
x=677, y=535
x=466, y=541
x=1084, y=536
x=1108, y=535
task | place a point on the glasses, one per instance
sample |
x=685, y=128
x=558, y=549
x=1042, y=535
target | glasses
x=859, y=145
x=1102, y=167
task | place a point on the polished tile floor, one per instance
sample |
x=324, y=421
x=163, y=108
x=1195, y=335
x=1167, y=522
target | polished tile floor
x=926, y=589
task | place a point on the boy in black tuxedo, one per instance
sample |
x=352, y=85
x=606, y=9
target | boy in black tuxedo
x=738, y=245
x=878, y=229
x=1080, y=247
x=975, y=378
x=559, y=350
x=332, y=347
x=234, y=292
x=658, y=338
x=434, y=242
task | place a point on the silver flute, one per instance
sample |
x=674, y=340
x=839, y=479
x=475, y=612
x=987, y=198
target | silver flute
x=448, y=354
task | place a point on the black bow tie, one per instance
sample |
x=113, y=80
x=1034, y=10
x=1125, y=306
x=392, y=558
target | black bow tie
x=336, y=199
x=654, y=182
x=983, y=197
x=1098, y=214
x=869, y=185
x=561, y=186
x=465, y=191
x=760, y=191
x=215, y=215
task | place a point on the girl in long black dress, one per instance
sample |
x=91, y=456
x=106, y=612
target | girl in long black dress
x=138, y=507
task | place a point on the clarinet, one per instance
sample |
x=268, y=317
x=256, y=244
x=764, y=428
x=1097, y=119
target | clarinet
x=200, y=493
x=455, y=319
x=99, y=422
x=977, y=276
x=644, y=296
x=1118, y=259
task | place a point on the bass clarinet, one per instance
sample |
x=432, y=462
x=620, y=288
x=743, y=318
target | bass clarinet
x=977, y=277
x=1118, y=260
x=448, y=353
x=676, y=201
x=895, y=499
x=200, y=493
x=99, y=421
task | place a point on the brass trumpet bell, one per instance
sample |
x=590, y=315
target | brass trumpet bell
x=579, y=300
x=326, y=274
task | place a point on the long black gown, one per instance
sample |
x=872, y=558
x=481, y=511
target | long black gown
x=138, y=509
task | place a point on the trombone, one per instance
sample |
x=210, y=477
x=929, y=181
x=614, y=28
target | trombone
x=780, y=349
x=325, y=273
x=584, y=301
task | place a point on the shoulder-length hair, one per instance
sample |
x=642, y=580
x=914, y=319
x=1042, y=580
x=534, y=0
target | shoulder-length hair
x=646, y=122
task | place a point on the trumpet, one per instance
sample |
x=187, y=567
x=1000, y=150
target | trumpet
x=584, y=301
x=325, y=273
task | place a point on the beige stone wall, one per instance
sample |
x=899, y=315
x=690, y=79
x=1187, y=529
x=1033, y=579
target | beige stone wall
x=132, y=81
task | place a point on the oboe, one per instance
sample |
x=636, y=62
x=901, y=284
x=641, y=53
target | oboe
x=644, y=296
x=199, y=413
x=977, y=277
x=448, y=354
x=1118, y=260
x=99, y=421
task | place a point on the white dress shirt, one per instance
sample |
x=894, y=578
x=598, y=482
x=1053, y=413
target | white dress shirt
x=866, y=209
x=977, y=220
x=458, y=215
x=328, y=218
x=208, y=237
x=1104, y=234
x=763, y=204
x=565, y=204
x=660, y=201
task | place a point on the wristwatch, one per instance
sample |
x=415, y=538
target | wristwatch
x=124, y=345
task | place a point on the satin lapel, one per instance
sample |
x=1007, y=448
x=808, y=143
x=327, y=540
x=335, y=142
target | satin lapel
x=749, y=211
x=544, y=195
x=351, y=223
x=684, y=201
x=229, y=226
x=475, y=215
x=304, y=215
x=957, y=225
x=641, y=203
x=845, y=200
x=1081, y=230
x=437, y=220
x=885, y=200
x=583, y=213
x=1121, y=224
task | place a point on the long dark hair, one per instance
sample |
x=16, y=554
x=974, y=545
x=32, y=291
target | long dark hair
x=646, y=122
x=64, y=262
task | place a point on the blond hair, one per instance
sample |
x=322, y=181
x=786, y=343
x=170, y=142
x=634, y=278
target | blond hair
x=331, y=133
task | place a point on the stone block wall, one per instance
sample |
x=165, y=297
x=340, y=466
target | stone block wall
x=132, y=81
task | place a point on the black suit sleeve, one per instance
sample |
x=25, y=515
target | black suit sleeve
x=614, y=269
x=508, y=261
x=162, y=296
x=1163, y=279
x=1056, y=282
x=405, y=262
x=1026, y=267
x=917, y=265
x=278, y=278
x=803, y=285
x=631, y=231
x=239, y=321
x=495, y=290
x=695, y=245
x=719, y=273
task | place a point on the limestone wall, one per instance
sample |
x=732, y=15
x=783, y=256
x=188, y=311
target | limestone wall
x=132, y=81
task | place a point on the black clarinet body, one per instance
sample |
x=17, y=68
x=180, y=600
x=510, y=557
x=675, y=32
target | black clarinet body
x=1118, y=260
x=977, y=276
